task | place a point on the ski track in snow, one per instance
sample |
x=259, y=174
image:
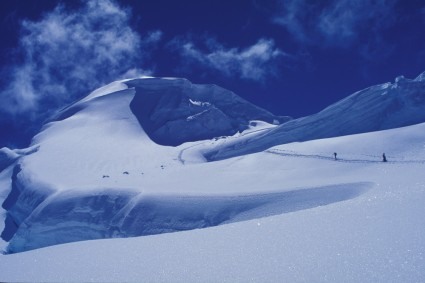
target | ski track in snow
x=222, y=140
x=376, y=159
x=181, y=153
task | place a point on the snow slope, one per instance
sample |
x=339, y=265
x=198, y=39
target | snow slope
x=96, y=173
x=376, y=235
x=290, y=213
x=379, y=107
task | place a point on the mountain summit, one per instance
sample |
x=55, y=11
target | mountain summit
x=173, y=110
x=97, y=155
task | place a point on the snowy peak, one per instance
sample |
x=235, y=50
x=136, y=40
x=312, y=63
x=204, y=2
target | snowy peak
x=100, y=170
x=174, y=111
x=106, y=153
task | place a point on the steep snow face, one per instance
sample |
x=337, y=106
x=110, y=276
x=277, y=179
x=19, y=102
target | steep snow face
x=379, y=107
x=78, y=215
x=175, y=111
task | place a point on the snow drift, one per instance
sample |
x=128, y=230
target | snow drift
x=110, y=213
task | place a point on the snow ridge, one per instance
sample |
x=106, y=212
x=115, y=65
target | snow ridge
x=176, y=111
x=380, y=107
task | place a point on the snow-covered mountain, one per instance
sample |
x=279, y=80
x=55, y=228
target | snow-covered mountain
x=380, y=107
x=96, y=156
x=130, y=160
x=173, y=111
x=355, y=219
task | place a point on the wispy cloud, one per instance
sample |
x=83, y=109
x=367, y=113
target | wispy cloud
x=297, y=16
x=334, y=22
x=256, y=62
x=67, y=53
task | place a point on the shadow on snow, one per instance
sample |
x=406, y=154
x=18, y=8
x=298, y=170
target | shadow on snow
x=69, y=217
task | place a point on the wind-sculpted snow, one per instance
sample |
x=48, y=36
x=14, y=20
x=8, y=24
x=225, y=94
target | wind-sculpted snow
x=379, y=107
x=8, y=156
x=24, y=197
x=176, y=111
x=108, y=213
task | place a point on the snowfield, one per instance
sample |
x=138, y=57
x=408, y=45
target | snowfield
x=379, y=107
x=291, y=213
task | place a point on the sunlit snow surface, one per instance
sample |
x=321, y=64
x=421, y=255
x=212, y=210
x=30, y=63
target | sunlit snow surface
x=291, y=213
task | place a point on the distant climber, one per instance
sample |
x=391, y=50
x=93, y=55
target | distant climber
x=335, y=155
x=384, y=158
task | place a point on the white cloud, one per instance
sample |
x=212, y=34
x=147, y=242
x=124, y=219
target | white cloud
x=295, y=16
x=346, y=18
x=255, y=62
x=67, y=53
x=154, y=36
x=335, y=22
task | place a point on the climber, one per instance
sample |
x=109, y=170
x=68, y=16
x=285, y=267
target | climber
x=384, y=158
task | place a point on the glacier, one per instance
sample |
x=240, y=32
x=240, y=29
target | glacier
x=115, y=165
x=104, y=147
x=380, y=107
x=110, y=213
x=371, y=232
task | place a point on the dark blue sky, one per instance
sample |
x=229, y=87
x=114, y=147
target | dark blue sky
x=291, y=57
